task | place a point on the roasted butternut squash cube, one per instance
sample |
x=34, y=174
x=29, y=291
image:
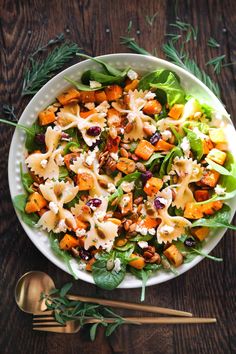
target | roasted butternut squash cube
x=68, y=241
x=87, y=96
x=217, y=135
x=84, y=181
x=113, y=92
x=152, y=107
x=46, y=117
x=174, y=255
x=138, y=262
x=222, y=146
x=163, y=145
x=69, y=96
x=211, y=207
x=207, y=146
x=210, y=178
x=201, y=195
x=126, y=165
x=126, y=203
x=131, y=85
x=70, y=158
x=144, y=150
x=35, y=203
x=100, y=96
x=153, y=185
x=193, y=211
x=217, y=156
x=149, y=222
x=176, y=111
x=200, y=232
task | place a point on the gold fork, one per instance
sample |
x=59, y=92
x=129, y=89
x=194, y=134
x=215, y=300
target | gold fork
x=46, y=322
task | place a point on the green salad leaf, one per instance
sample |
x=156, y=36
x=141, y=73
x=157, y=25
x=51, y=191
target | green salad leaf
x=215, y=166
x=129, y=178
x=154, y=157
x=195, y=143
x=19, y=203
x=203, y=127
x=168, y=160
x=70, y=146
x=26, y=180
x=219, y=219
x=105, y=79
x=152, y=78
x=229, y=182
x=82, y=87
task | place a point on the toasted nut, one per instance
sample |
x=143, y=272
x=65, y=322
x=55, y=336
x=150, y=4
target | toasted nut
x=139, y=208
x=132, y=227
x=117, y=214
x=155, y=259
x=125, y=146
x=165, y=264
x=103, y=184
x=138, y=200
x=131, y=234
x=148, y=129
x=101, y=233
x=129, y=127
x=124, y=153
x=113, y=132
x=115, y=221
x=134, y=157
x=75, y=252
x=147, y=254
x=134, y=217
x=140, y=166
x=120, y=242
x=151, y=249
x=127, y=224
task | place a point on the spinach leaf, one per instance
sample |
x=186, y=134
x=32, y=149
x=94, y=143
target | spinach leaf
x=219, y=219
x=105, y=79
x=64, y=255
x=30, y=142
x=195, y=143
x=129, y=178
x=138, y=238
x=168, y=160
x=128, y=246
x=26, y=180
x=203, y=127
x=174, y=92
x=152, y=78
x=176, y=134
x=30, y=219
x=229, y=182
x=19, y=203
x=117, y=194
x=107, y=279
x=63, y=173
x=222, y=170
x=81, y=86
x=155, y=156
x=70, y=146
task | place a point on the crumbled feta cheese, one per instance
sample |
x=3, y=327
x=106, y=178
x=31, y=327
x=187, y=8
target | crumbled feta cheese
x=103, y=107
x=143, y=244
x=132, y=75
x=117, y=265
x=124, y=201
x=149, y=95
x=131, y=116
x=142, y=230
x=100, y=215
x=127, y=186
x=96, y=256
x=166, y=135
x=114, y=156
x=199, y=134
x=60, y=160
x=82, y=266
x=62, y=227
x=94, y=84
x=111, y=188
x=166, y=229
x=150, y=127
x=185, y=146
x=53, y=207
x=219, y=190
x=80, y=232
x=166, y=178
x=91, y=157
x=152, y=231
x=89, y=105
x=122, y=130
x=44, y=163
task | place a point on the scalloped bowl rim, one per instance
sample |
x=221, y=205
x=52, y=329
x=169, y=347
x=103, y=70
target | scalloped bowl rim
x=47, y=94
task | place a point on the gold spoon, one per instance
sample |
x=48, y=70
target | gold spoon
x=32, y=284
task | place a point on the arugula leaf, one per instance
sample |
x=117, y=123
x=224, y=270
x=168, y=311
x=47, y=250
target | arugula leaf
x=195, y=143
x=229, y=182
x=176, y=134
x=63, y=172
x=107, y=279
x=203, y=254
x=19, y=203
x=203, y=127
x=129, y=178
x=26, y=180
x=128, y=246
x=174, y=92
x=207, y=110
x=219, y=219
x=168, y=160
x=81, y=86
x=222, y=170
x=118, y=194
x=70, y=146
x=225, y=196
x=155, y=156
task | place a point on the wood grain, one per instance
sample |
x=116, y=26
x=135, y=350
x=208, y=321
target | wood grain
x=209, y=289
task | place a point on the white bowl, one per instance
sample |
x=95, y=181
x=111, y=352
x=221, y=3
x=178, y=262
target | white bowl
x=142, y=64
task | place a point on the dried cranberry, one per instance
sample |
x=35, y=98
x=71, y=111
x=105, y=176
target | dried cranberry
x=95, y=202
x=190, y=242
x=146, y=176
x=85, y=255
x=94, y=131
x=155, y=138
x=158, y=204
x=40, y=138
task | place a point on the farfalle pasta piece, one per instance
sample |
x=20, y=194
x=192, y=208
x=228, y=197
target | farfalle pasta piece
x=171, y=227
x=80, y=166
x=135, y=114
x=45, y=164
x=102, y=233
x=57, y=219
x=188, y=171
x=67, y=119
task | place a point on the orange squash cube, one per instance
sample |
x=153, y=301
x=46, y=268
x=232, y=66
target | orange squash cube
x=152, y=107
x=100, y=96
x=35, y=203
x=138, y=262
x=69, y=96
x=153, y=185
x=131, y=85
x=176, y=111
x=67, y=242
x=174, y=256
x=200, y=232
x=113, y=92
x=163, y=145
x=84, y=181
x=144, y=149
x=46, y=117
x=87, y=96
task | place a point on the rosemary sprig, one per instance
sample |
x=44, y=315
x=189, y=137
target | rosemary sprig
x=217, y=63
x=9, y=111
x=213, y=43
x=41, y=71
x=191, y=32
x=58, y=39
x=150, y=19
x=130, y=24
x=174, y=37
x=66, y=310
x=133, y=45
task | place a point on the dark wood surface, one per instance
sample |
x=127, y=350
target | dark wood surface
x=207, y=290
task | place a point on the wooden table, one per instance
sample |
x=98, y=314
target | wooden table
x=207, y=290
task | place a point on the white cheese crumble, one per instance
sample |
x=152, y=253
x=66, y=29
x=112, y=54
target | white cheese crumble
x=111, y=188
x=89, y=105
x=185, y=146
x=91, y=156
x=166, y=178
x=199, y=134
x=149, y=95
x=166, y=229
x=117, y=265
x=166, y=135
x=94, y=84
x=152, y=231
x=124, y=201
x=219, y=190
x=53, y=207
x=62, y=227
x=142, y=230
x=150, y=127
x=81, y=266
x=127, y=186
x=100, y=215
x=114, y=156
x=132, y=75
x=60, y=160
x=143, y=244
x=80, y=232
x=44, y=163
x=103, y=107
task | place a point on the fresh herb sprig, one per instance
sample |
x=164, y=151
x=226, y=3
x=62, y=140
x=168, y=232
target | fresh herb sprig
x=58, y=39
x=9, y=112
x=133, y=45
x=150, y=19
x=191, y=32
x=213, y=43
x=217, y=63
x=41, y=71
x=66, y=310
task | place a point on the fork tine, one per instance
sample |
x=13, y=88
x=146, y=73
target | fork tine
x=50, y=329
x=44, y=319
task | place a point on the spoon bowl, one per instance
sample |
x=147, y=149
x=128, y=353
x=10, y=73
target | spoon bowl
x=28, y=289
